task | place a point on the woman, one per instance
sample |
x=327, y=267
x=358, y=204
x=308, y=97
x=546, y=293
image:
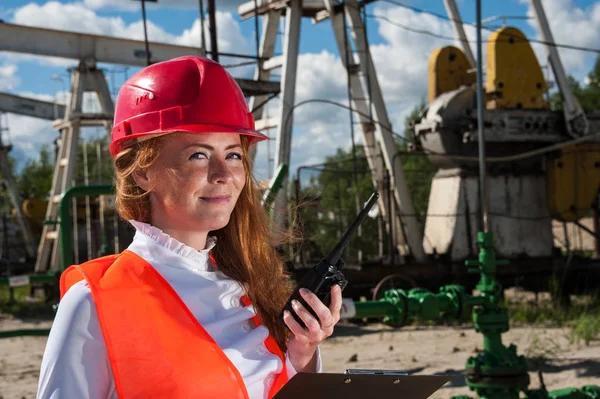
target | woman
x=190, y=309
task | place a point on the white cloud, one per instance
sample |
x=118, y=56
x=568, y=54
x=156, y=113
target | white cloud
x=77, y=17
x=8, y=78
x=28, y=135
x=114, y=4
x=319, y=129
x=222, y=5
x=230, y=38
x=401, y=62
x=570, y=24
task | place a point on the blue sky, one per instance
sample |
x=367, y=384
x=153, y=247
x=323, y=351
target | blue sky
x=314, y=37
x=400, y=56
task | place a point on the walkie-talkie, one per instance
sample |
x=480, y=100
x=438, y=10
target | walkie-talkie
x=328, y=271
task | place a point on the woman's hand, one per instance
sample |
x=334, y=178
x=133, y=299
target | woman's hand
x=303, y=344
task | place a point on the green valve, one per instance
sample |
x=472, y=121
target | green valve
x=498, y=372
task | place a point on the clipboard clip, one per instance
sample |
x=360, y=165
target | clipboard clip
x=370, y=372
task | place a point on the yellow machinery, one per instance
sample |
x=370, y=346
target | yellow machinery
x=525, y=193
x=35, y=210
x=448, y=70
x=514, y=79
x=573, y=181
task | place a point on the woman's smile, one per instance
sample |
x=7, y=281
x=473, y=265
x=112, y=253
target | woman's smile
x=217, y=199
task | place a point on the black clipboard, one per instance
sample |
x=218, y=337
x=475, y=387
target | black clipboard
x=361, y=385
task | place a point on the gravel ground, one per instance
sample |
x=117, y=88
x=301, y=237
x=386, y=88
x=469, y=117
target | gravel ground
x=418, y=350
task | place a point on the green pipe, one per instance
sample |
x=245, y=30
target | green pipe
x=472, y=301
x=39, y=332
x=375, y=309
x=274, y=186
x=66, y=219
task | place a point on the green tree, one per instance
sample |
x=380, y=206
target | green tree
x=99, y=162
x=5, y=199
x=588, y=96
x=35, y=179
x=335, y=188
x=419, y=171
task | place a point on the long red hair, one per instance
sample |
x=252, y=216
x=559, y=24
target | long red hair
x=245, y=249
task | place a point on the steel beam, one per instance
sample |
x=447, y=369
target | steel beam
x=360, y=104
x=577, y=123
x=414, y=232
x=310, y=8
x=459, y=30
x=266, y=50
x=86, y=47
x=291, y=48
x=31, y=107
x=315, y=9
x=257, y=88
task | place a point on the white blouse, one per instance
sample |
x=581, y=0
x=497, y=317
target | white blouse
x=76, y=364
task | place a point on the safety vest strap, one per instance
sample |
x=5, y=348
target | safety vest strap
x=136, y=307
x=271, y=345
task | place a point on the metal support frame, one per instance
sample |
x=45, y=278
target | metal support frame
x=483, y=189
x=577, y=123
x=360, y=103
x=89, y=50
x=291, y=48
x=66, y=218
x=15, y=198
x=266, y=50
x=83, y=79
x=83, y=46
x=31, y=107
x=384, y=137
x=212, y=18
x=378, y=140
x=459, y=30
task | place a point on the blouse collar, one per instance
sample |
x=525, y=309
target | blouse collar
x=153, y=235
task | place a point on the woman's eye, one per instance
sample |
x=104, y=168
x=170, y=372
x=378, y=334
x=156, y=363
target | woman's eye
x=198, y=155
x=234, y=155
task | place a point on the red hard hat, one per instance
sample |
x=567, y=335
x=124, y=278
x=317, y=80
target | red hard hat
x=185, y=94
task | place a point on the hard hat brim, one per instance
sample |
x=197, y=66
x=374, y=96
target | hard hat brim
x=254, y=136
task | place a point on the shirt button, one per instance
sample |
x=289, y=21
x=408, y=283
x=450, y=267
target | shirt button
x=261, y=350
x=269, y=381
x=246, y=326
x=236, y=302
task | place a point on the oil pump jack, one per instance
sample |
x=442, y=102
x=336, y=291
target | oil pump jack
x=528, y=184
x=89, y=50
x=10, y=103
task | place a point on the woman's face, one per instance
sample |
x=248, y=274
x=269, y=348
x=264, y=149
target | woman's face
x=196, y=181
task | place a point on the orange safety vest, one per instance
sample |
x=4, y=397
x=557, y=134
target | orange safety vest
x=156, y=347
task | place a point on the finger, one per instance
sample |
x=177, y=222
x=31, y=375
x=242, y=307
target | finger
x=325, y=318
x=295, y=327
x=312, y=324
x=336, y=301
